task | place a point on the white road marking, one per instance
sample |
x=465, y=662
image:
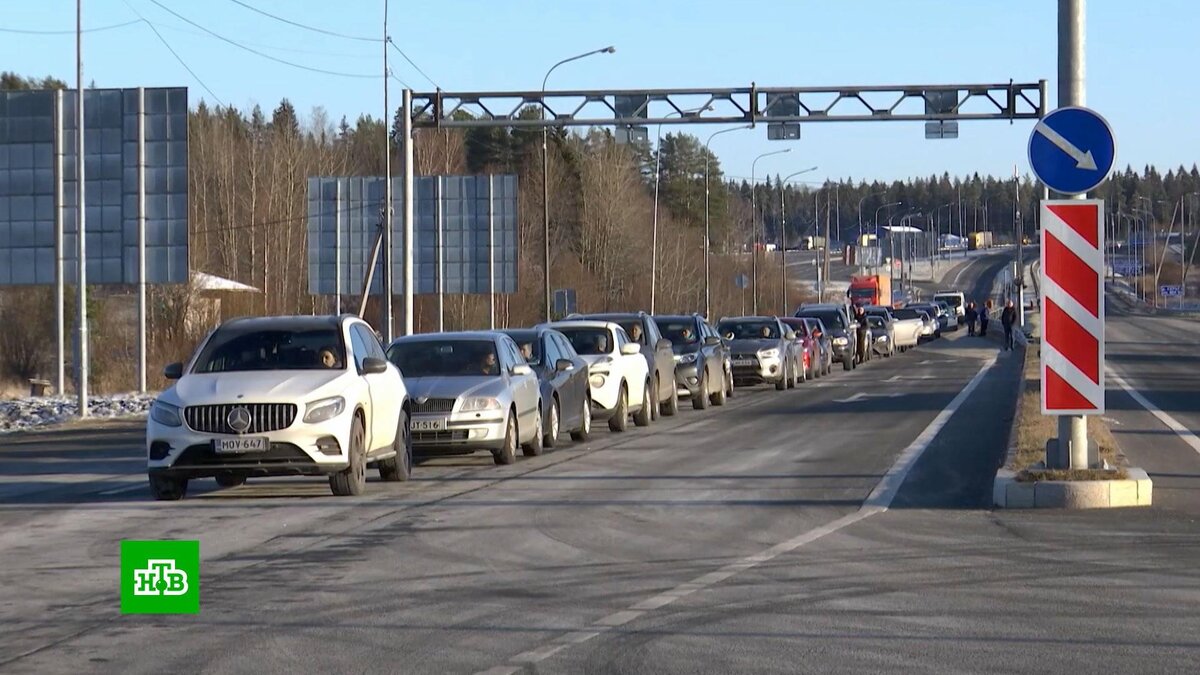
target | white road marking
x=958, y=275
x=898, y=378
x=127, y=488
x=1171, y=423
x=862, y=396
x=878, y=502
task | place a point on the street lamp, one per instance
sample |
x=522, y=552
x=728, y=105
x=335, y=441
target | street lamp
x=546, y=180
x=860, y=204
x=754, y=224
x=876, y=219
x=707, y=239
x=657, y=173
x=783, y=233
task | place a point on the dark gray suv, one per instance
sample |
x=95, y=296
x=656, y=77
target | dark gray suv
x=842, y=330
x=702, y=369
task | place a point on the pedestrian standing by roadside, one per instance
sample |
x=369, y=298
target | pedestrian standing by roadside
x=972, y=316
x=1008, y=319
x=984, y=315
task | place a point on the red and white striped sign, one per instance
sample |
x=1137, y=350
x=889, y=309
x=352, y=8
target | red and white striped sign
x=1072, y=307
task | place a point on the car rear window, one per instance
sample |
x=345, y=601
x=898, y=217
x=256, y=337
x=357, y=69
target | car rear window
x=907, y=314
x=952, y=300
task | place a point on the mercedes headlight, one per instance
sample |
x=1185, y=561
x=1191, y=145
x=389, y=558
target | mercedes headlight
x=479, y=404
x=685, y=359
x=840, y=341
x=166, y=414
x=881, y=338
x=324, y=410
x=769, y=353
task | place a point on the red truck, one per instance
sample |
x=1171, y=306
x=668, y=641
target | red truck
x=872, y=289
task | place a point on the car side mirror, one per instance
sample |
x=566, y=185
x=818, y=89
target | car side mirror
x=790, y=335
x=662, y=343
x=817, y=333
x=631, y=348
x=173, y=371
x=564, y=365
x=521, y=369
x=712, y=341
x=374, y=366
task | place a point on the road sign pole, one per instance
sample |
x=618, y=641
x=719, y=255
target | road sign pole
x=1072, y=91
x=81, y=347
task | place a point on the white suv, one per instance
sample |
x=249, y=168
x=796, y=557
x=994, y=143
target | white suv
x=281, y=396
x=618, y=373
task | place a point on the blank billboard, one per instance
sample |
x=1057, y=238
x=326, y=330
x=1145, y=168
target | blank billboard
x=29, y=178
x=478, y=231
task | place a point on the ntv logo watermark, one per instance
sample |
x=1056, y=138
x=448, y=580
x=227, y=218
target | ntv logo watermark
x=160, y=577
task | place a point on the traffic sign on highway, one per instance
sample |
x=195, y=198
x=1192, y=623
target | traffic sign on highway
x=1170, y=290
x=1072, y=307
x=1072, y=150
x=742, y=281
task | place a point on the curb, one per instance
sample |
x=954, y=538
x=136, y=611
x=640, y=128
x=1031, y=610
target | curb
x=1009, y=493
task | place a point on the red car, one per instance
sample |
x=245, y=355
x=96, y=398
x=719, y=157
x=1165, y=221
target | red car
x=814, y=365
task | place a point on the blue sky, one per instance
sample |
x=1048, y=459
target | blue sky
x=1141, y=61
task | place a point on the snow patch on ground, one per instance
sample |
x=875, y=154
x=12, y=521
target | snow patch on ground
x=30, y=413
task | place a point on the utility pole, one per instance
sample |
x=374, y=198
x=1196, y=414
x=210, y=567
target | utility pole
x=388, y=326
x=1072, y=91
x=81, y=350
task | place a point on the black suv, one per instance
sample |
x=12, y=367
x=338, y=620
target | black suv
x=702, y=369
x=842, y=330
x=660, y=357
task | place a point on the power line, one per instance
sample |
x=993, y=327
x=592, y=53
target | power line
x=258, y=53
x=309, y=52
x=411, y=63
x=396, y=78
x=26, y=31
x=174, y=53
x=301, y=25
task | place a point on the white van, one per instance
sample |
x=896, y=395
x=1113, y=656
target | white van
x=955, y=299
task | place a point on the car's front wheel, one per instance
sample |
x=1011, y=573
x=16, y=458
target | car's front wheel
x=167, y=489
x=620, y=418
x=507, y=454
x=585, y=422
x=718, y=397
x=700, y=400
x=671, y=406
x=399, y=468
x=552, y=425
x=534, y=447
x=644, y=416
x=352, y=480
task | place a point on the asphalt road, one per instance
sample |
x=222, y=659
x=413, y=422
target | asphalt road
x=749, y=538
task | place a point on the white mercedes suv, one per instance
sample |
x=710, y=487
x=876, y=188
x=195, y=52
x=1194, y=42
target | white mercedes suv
x=618, y=373
x=281, y=396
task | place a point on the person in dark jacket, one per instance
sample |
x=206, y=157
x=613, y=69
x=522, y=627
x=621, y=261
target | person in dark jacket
x=1008, y=319
x=984, y=315
x=862, y=335
x=971, y=315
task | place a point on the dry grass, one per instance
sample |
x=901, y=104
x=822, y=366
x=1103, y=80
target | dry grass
x=1034, y=428
x=1036, y=475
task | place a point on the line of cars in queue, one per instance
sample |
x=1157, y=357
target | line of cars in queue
x=322, y=396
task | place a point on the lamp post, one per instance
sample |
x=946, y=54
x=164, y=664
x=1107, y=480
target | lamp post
x=754, y=225
x=546, y=180
x=860, y=205
x=783, y=234
x=657, y=174
x=707, y=238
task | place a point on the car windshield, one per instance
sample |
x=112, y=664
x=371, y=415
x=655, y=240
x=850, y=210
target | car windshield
x=864, y=294
x=830, y=318
x=749, y=330
x=952, y=300
x=681, y=332
x=232, y=350
x=588, y=341
x=907, y=313
x=874, y=321
x=529, y=344
x=446, y=358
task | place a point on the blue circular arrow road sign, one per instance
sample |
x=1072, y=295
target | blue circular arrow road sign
x=1072, y=150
